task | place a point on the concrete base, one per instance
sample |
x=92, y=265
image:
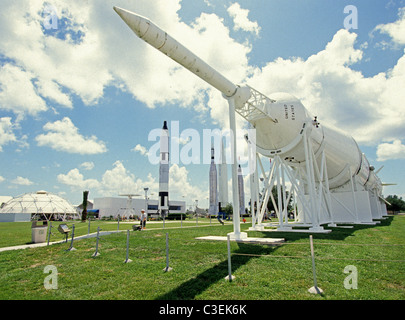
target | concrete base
x=95, y=254
x=310, y=230
x=167, y=269
x=289, y=228
x=268, y=241
x=363, y=223
x=334, y=225
x=315, y=290
x=128, y=261
x=238, y=236
x=232, y=278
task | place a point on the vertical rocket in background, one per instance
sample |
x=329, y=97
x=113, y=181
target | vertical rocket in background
x=213, y=209
x=223, y=178
x=164, y=171
x=241, y=191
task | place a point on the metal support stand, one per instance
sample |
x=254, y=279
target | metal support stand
x=315, y=289
x=127, y=260
x=49, y=232
x=71, y=242
x=167, y=269
x=96, y=253
x=309, y=182
x=236, y=234
x=229, y=277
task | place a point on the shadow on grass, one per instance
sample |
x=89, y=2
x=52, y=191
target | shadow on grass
x=193, y=287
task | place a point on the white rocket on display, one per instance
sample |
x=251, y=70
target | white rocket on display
x=241, y=190
x=223, y=178
x=164, y=171
x=331, y=178
x=213, y=209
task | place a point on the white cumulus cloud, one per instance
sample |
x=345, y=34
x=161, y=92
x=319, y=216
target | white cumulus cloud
x=22, y=181
x=88, y=165
x=141, y=149
x=390, y=151
x=76, y=180
x=6, y=132
x=241, y=20
x=396, y=30
x=63, y=135
x=371, y=109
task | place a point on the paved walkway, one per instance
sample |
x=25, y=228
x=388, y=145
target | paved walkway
x=44, y=244
x=102, y=233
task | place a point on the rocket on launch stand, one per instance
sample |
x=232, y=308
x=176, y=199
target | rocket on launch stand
x=213, y=209
x=164, y=172
x=223, y=177
x=331, y=177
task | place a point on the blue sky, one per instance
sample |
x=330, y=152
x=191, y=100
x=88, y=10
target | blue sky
x=78, y=102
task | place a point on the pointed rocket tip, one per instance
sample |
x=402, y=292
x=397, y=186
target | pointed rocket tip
x=121, y=12
x=117, y=9
x=165, y=125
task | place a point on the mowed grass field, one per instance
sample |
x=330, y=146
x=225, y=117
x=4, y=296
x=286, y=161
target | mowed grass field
x=199, y=266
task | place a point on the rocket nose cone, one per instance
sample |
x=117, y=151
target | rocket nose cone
x=137, y=23
x=121, y=12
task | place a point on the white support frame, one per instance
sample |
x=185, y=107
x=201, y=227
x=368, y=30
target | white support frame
x=309, y=183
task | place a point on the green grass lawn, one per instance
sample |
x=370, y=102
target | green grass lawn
x=199, y=267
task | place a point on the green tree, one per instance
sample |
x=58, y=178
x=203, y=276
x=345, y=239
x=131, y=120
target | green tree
x=270, y=205
x=84, y=213
x=228, y=210
x=397, y=204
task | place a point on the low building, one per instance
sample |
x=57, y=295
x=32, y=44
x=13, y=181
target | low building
x=114, y=206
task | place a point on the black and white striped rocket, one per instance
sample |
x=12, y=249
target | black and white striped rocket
x=164, y=171
x=213, y=209
x=241, y=190
x=223, y=177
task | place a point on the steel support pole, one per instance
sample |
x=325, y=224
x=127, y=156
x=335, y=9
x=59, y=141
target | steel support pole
x=49, y=232
x=96, y=253
x=167, y=269
x=229, y=277
x=235, y=192
x=315, y=289
x=71, y=242
x=127, y=260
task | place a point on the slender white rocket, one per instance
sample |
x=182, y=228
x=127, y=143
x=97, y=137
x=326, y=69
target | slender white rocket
x=241, y=190
x=213, y=209
x=156, y=37
x=223, y=178
x=164, y=171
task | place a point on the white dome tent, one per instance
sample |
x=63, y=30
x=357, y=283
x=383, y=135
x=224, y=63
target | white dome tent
x=40, y=204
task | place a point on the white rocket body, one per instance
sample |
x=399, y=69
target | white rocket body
x=213, y=187
x=164, y=171
x=156, y=37
x=223, y=178
x=241, y=190
x=284, y=138
x=279, y=130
